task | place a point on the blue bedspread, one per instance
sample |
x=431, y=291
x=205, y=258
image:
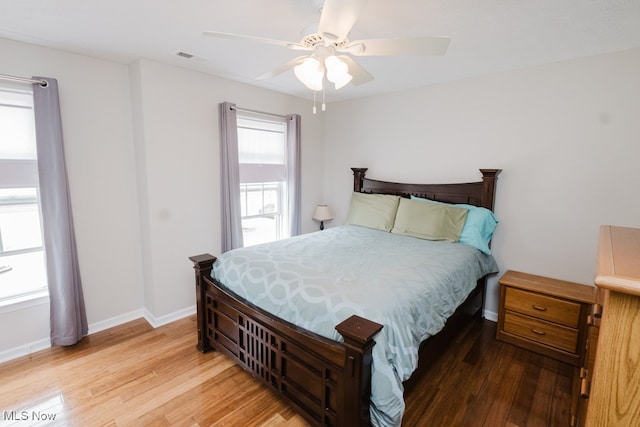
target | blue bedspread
x=316, y=280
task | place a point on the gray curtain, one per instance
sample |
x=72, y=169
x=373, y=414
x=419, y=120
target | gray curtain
x=229, y=178
x=68, y=316
x=293, y=173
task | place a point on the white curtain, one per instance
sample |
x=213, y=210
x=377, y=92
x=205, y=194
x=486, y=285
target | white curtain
x=229, y=178
x=67, y=313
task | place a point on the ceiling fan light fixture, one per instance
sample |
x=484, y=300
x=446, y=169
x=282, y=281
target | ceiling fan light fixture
x=310, y=73
x=337, y=71
x=342, y=81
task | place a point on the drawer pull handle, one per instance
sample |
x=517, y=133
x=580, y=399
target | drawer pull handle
x=539, y=308
x=536, y=331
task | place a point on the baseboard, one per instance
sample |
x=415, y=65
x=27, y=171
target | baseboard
x=168, y=318
x=490, y=315
x=25, y=349
x=115, y=321
x=43, y=344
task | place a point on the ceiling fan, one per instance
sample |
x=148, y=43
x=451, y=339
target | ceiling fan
x=331, y=50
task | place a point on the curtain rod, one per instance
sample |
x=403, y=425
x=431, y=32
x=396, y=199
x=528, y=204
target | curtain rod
x=246, y=110
x=42, y=83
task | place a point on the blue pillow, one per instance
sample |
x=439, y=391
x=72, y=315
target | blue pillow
x=478, y=228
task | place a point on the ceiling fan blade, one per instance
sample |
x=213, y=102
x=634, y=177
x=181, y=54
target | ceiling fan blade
x=397, y=47
x=360, y=75
x=281, y=68
x=290, y=45
x=338, y=17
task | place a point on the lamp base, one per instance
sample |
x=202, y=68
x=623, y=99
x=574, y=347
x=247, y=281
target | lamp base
x=321, y=225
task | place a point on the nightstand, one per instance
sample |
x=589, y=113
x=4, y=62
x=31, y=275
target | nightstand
x=545, y=315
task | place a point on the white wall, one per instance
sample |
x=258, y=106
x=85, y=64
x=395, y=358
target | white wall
x=566, y=135
x=178, y=154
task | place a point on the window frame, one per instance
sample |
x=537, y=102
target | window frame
x=21, y=173
x=272, y=125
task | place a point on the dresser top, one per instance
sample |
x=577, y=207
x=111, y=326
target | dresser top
x=618, y=266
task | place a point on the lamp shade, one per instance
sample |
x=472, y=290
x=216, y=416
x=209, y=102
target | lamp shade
x=337, y=71
x=311, y=73
x=322, y=213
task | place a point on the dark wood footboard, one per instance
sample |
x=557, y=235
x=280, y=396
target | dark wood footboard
x=327, y=381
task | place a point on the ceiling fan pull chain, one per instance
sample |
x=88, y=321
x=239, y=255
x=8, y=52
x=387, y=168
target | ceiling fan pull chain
x=314, y=102
x=324, y=106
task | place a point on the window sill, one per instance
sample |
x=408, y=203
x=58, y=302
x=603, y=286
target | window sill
x=21, y=302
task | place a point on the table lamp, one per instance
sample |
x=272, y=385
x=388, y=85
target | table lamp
x=322, y=214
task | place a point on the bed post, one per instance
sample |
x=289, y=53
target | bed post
x=489, y=178
x=358, y=176
x=202, y=265
x=358, y=335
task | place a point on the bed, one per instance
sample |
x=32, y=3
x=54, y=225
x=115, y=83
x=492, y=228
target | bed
x=331, y=375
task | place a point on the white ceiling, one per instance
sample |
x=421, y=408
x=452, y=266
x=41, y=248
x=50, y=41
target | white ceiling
x=487, y=36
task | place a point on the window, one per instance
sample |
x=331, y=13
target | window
x=262, y=154
x=22, y=260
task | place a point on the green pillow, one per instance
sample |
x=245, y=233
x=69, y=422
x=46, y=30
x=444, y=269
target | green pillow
x=479, y=227
x=373, y=210
x=429, y=221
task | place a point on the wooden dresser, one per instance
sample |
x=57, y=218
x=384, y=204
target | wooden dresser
x=545, y=315
x=614, y=398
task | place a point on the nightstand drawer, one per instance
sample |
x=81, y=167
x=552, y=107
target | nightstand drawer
x=543, y=307
x=542, y=332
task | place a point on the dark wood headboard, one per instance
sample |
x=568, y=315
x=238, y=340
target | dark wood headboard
x=480, y=193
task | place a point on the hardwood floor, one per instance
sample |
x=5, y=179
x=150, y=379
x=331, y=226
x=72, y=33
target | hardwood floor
x=480, y=381
x=136, y=375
